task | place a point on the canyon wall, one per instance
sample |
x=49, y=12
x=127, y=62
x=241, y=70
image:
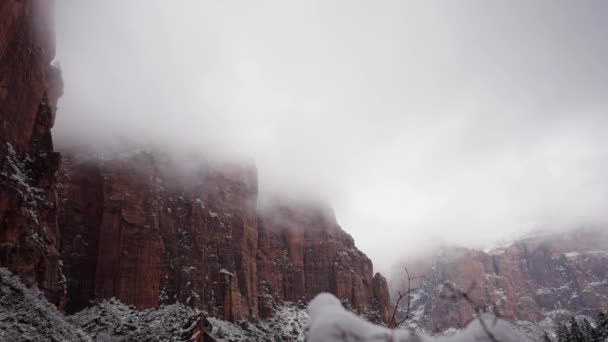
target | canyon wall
x=141, y=227
x=543, y=280
x=136, y=230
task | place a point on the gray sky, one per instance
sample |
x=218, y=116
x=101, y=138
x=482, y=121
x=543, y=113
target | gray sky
x=420, y=121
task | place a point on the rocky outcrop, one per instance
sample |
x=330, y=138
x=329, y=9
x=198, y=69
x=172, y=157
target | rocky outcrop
x=542, y=280
x=304, y=252
x=29, y=88
x=28, y=316
x=381, y=298
x=146, y=230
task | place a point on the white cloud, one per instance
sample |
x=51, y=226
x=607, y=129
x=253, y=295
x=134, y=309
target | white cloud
x=464, y=121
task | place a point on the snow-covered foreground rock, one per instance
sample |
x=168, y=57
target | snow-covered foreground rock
x=112, y=320
x=25, y=315
x=330, y=322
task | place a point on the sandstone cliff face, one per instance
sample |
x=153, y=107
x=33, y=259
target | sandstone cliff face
x=139, y=229
x=134, y=230
x=542, y=280
x=304, y=252
x=29, y=88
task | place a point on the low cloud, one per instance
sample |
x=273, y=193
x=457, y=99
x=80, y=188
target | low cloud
x=420, y=123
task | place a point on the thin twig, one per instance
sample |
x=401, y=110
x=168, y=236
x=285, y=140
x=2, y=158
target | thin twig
x=478, y=310
x=393, y=322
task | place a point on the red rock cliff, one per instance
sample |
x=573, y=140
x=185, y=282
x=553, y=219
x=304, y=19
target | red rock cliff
x=139, y=229
x=29, y=88
x=303, y=252
x=135, y=230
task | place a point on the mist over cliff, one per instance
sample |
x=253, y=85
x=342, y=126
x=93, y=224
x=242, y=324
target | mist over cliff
x=205, y=166
x=461, y=122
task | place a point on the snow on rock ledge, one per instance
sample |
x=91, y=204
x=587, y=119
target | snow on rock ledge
x=26, y=315
x=330, y=322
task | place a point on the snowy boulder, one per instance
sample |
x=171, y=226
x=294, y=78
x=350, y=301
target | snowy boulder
x=330, y=322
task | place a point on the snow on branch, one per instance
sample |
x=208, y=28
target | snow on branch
x=330, y=322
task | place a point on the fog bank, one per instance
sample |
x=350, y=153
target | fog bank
x=421, y=122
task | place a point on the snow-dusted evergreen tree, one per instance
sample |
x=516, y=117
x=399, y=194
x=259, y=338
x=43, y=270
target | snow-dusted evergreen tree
x=576, y=334
x=600, y=333
x=586, y=330
x=563, y=334
x=581, y=330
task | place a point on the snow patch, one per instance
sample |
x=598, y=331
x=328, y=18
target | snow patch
x=572, y=255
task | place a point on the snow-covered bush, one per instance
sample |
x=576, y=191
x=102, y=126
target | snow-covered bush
x=25, y=315
x=286, y=324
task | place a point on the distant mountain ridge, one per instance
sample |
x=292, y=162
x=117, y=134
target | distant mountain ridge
x=540, y=280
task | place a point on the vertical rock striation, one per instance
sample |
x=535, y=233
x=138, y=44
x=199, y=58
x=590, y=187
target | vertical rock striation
x=29, y=88
x=144, y=230
x=137, y=230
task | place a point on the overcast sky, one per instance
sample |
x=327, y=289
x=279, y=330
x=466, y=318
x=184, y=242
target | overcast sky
x=420, y=121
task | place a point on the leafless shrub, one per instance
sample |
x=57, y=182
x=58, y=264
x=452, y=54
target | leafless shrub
x=394, y=323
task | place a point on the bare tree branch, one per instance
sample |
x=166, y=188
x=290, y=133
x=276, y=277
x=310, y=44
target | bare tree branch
x=466, y=295
x=407, y=294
